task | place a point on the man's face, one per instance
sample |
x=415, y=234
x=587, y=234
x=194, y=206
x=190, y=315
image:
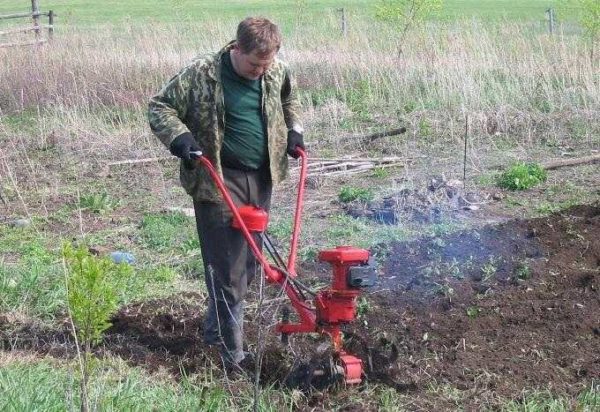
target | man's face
x=250, y=65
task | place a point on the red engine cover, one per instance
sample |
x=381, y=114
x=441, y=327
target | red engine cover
x=334, y=307
x=255, y=218
x=344, y=255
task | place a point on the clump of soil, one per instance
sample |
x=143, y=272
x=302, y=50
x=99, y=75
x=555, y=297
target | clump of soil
x=491, y=311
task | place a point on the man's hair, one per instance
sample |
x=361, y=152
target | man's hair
x=258, y=34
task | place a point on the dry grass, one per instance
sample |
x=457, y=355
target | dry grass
x=80, y=101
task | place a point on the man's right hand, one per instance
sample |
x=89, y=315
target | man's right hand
x=182, y=145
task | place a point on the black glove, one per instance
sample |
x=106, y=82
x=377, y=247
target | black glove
x=182, y=145
x=294, y=140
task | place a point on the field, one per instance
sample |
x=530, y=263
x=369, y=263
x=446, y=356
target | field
x=487, y=298
x=82, y=12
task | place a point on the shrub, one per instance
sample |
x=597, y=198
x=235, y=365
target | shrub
x=349, y=194
x=522, y=176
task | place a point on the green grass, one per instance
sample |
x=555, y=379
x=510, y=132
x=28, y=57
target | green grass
x=32, y=277
x=100, y=203
x=81, y=12
x=522, y=176
x=46, y=386
x=31, y=280
x=165, y=231
x=545, y=401
x=351, y=193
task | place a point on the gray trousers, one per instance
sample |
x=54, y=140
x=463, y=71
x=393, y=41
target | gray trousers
x=229, y=265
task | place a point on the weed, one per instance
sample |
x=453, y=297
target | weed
x=453, y=269
x=362, y=307
x=308, y=254
x=438, y=242
x=163, y=274
x=100, y=203
x=409, y=107
x=281, y=229
x=358, y=96
x=445, y=290
x=545, y=207
x=523, y=271
x=473, y=311
x=350, y=193
x=191, y=244
x=425, y=128
x=589, y=398
x=319, y=97
x=390, y=400
x=490, y=268
x=522, y=176
x=380, y=172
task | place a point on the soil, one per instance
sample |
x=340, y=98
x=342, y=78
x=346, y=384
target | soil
x=486, y=312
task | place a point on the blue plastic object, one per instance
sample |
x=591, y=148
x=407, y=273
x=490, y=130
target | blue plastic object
x=122, y=257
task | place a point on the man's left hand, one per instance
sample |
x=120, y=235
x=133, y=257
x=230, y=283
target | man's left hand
x=294, y=140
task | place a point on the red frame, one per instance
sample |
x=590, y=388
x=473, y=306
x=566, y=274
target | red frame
x=332, y=306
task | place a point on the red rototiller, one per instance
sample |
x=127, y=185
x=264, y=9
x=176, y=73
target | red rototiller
x=324, y=311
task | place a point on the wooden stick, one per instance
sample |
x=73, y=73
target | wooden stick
x=21, y=30
x=555, y=164
x=19, y=15
x=26, y=43
x=374, y=136
x=357, y=159
x=144, y=160
x=325, y=160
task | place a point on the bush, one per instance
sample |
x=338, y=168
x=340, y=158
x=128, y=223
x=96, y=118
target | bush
x=522, y=176
x=349, y=193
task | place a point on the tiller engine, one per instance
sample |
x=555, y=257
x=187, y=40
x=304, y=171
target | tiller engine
x=324, y=311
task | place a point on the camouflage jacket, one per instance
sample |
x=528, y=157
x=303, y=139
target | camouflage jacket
x=192, y=101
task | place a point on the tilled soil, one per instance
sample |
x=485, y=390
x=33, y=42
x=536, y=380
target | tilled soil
x=488, y=313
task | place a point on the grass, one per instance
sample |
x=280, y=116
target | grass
x=545, y=401
x=32, y=277
x=31, y=281
x=169, y=231
x=289, y=11
x=46, y=387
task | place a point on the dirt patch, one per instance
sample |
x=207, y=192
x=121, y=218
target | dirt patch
x=499, y=309
x=489, y=311
x=441, y=199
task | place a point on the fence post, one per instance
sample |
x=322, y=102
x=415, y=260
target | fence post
x=344, y=23
x=550, y=13
x=35, y=9
x=51, y=24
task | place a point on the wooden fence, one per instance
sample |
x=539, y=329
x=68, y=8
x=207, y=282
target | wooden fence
x=37, y=28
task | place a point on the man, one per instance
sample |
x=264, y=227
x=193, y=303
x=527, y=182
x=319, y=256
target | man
x=240, y=108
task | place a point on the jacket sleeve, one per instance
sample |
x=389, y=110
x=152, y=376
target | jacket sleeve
x=290, y=102
x=167, y=109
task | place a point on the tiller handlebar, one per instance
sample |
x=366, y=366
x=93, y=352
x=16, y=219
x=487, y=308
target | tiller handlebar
x=324, y=311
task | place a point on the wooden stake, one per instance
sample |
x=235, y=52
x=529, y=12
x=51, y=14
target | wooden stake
x=555, y=164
